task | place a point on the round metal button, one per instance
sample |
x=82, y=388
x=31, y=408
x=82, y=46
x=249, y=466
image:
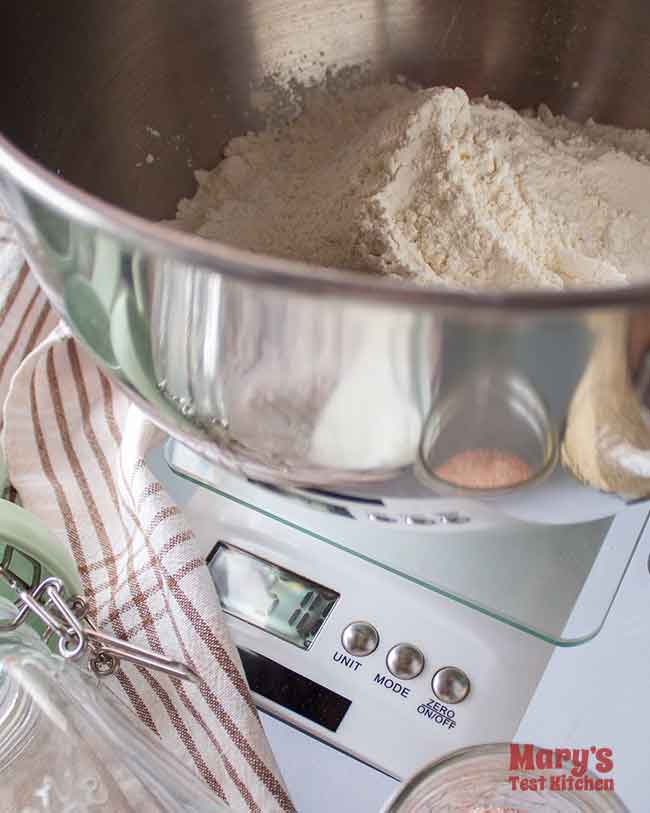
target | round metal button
x=405, y=661
x=420, y=519
x=375, y=517
x=360, y=639
x=451, y=685
x=452, y=518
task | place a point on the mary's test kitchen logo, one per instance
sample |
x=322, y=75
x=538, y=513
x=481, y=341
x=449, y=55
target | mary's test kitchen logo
x=574, y=763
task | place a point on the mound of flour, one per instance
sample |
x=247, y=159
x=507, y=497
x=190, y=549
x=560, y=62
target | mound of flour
x=430, y=186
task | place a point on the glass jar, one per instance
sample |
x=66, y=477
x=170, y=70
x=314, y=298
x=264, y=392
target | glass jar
x=480, y=780
x=66, y=744
x=18, y=715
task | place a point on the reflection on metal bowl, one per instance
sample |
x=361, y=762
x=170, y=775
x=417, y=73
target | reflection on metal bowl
x=490, y=434
x=284, y=372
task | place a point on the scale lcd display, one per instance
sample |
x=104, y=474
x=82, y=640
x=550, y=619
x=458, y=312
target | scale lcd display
x=293, y=691
x=269, y=597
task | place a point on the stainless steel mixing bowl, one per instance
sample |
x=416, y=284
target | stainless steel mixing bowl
x=291, y=373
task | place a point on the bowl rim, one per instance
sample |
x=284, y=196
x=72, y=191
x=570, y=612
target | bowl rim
x=90, y=210
x=470, y=752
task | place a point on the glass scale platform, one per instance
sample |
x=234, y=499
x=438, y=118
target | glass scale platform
x=555, y=580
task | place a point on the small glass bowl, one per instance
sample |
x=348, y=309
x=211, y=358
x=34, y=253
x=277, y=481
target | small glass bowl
x=496, y=415
x=477, y=780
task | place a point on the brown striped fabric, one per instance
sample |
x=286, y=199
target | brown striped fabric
x=26, y=317
x=75, y=451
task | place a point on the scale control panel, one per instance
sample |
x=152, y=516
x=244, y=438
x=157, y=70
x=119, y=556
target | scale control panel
x=404, y=662
x=361, y=658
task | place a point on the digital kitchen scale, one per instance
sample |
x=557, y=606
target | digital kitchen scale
x=399, y=628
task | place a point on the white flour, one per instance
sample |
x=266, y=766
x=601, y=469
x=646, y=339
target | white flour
x=428, y=186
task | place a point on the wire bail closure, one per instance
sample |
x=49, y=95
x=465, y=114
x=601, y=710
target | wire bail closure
x=68, y=620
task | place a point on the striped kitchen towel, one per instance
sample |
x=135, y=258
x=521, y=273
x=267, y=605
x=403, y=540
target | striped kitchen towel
x=75, y=453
